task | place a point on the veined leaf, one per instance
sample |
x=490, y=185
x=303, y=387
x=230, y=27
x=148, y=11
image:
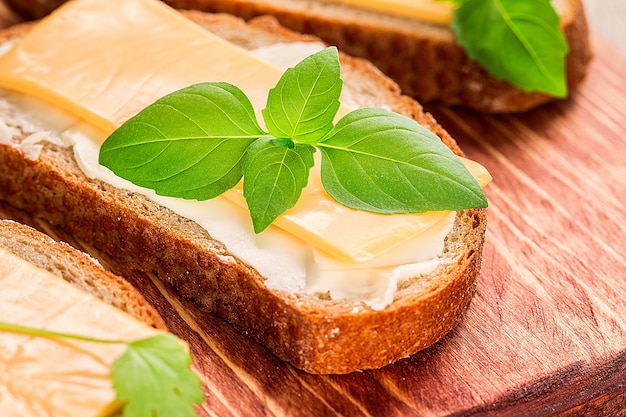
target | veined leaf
x=188, y=144
x=305, y=101
x=517, y=40
x=275, y=172
x=379, y=161
x=153, y=379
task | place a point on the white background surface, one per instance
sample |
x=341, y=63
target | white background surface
x=607, y=18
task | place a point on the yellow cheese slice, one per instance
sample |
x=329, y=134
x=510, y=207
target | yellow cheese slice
x=57, y=377
x=353, y=235
x=146, y=50
x=107, y=60
x=438, y=12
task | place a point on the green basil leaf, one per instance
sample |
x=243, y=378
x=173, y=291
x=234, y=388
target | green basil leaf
x=275, y=172
x=304, y=103
x=380, y=161
x=153, y=379
x=188, y=144
x=517, y=40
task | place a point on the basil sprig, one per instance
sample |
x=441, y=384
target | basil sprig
x=198, y=142
x=518, y=40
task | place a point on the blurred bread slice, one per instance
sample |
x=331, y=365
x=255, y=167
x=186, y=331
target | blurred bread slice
x=77, y=268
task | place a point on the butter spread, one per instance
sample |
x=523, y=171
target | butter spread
x=288, y=262
x=50, y=377
x=432, y=11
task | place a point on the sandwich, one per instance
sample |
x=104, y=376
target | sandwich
x=49, y=291
x=419, y=43
x=355, y=291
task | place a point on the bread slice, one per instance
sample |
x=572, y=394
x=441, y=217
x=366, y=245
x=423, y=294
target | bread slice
x=77, y=268
x=424, y=59
x=312, y=332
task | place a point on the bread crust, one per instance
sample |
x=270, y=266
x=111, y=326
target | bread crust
x=423, y=59
x=77, y=268
x=315, y=334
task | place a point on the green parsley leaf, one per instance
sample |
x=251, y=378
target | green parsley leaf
x=187, y=144
x=305, y=101
x=380, y=161
x=517, y=40
x=153, y=379
x=275, y=172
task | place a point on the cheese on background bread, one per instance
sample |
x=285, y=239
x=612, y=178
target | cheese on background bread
x=372, y=251
x=433, y=11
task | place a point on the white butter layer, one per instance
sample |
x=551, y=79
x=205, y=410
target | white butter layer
x=288, y=263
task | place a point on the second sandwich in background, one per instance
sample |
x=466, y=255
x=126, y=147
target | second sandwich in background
x=494, y=58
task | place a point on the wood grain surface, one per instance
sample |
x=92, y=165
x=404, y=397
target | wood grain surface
x=546, y=332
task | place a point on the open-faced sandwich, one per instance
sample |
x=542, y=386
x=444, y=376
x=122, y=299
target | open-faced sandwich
x=75, y=339
x=354, y=238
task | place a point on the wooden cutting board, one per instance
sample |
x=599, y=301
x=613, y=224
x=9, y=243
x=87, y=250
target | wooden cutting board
x=546, y=332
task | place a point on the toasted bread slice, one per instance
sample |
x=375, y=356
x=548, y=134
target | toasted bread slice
x=314, y=333
x=77, y=268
